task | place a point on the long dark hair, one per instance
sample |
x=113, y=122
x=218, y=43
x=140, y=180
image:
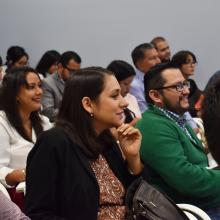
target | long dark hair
x=14, y=54
x=48, y=59
x=180, y=58
x=11, y=85
x=211, y=119
x=74, y=119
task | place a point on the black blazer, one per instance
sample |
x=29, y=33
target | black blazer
x=60, y=183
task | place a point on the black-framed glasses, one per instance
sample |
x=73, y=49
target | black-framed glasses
x=71, y=70
x=179, y=86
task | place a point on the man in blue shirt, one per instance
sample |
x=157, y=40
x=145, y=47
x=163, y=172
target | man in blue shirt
x=144, y=58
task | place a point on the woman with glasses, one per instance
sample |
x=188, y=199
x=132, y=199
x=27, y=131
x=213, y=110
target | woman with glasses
x=186, y=61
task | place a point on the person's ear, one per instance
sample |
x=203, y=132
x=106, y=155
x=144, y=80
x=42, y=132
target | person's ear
x=156, y=97
x=87, y=105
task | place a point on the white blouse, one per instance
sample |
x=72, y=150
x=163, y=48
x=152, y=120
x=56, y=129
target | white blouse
x=133, y=105
x=13, y=147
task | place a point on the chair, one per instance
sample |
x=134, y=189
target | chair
x=193, y=212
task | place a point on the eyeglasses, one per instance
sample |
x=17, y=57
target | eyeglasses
x=179, y=86
x=71, y=70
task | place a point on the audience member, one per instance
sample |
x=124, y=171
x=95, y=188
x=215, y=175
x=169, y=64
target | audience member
x=53, y=85
x=186, y=62
x=125, y=73
x=144, y=57
x=76, y=170
x=162, y=47
x=170, y=147
x=10, y=211
x=20, y=123
x=1, y=70
x=48, y=63
x=211, y=119
x=16, y=57
x=213, y=79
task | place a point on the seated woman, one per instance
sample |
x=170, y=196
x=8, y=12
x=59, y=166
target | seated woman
x=211, y=119
x=20, y=123
x=48, y=63
x=76, y=170
x=16, y=57
x=125, y=73
x=186, y=61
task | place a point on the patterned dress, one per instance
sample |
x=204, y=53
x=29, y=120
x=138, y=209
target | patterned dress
x=112, y=192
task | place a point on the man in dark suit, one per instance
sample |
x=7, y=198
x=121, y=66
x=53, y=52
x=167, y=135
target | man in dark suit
x=53, y=85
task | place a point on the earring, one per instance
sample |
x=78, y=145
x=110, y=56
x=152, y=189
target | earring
x=91, y=114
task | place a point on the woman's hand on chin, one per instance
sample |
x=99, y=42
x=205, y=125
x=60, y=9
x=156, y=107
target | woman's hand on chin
x=130, y=141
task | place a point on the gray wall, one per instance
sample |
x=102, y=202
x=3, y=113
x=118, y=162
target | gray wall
x=102, y=30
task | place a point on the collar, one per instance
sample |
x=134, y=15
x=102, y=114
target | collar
x=139, y=75
x=58, y=77
x=180, y=120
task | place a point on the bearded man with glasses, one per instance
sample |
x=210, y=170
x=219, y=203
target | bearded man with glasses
x=170, y=147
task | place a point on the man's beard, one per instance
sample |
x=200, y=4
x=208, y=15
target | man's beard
x=177, y=109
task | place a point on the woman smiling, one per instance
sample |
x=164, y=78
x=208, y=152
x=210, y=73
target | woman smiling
x=84, y=174
x=20, y=123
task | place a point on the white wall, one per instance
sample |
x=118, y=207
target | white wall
x=103, y=30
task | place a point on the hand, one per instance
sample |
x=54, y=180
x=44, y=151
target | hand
x=15, y=177
x=130, y=141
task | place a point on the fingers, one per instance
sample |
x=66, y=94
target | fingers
x=127, y=129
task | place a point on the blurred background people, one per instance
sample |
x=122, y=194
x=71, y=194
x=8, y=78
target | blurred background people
x=48, y=64
x=125, y=73
x=16, y=57
x=53, y=85
x=144, y=57
x=162, y=47
x=186, y=61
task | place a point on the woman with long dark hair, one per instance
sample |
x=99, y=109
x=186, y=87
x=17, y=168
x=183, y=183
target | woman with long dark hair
x=20, y=122
x=77, y=170
x=125, y=73
x=16, y=57
x=48, y=63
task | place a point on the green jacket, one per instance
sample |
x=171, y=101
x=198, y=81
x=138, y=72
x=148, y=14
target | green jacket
x=177, y=163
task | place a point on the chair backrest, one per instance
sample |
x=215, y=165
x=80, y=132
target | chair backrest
x=4, y=190
x=195, y=211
